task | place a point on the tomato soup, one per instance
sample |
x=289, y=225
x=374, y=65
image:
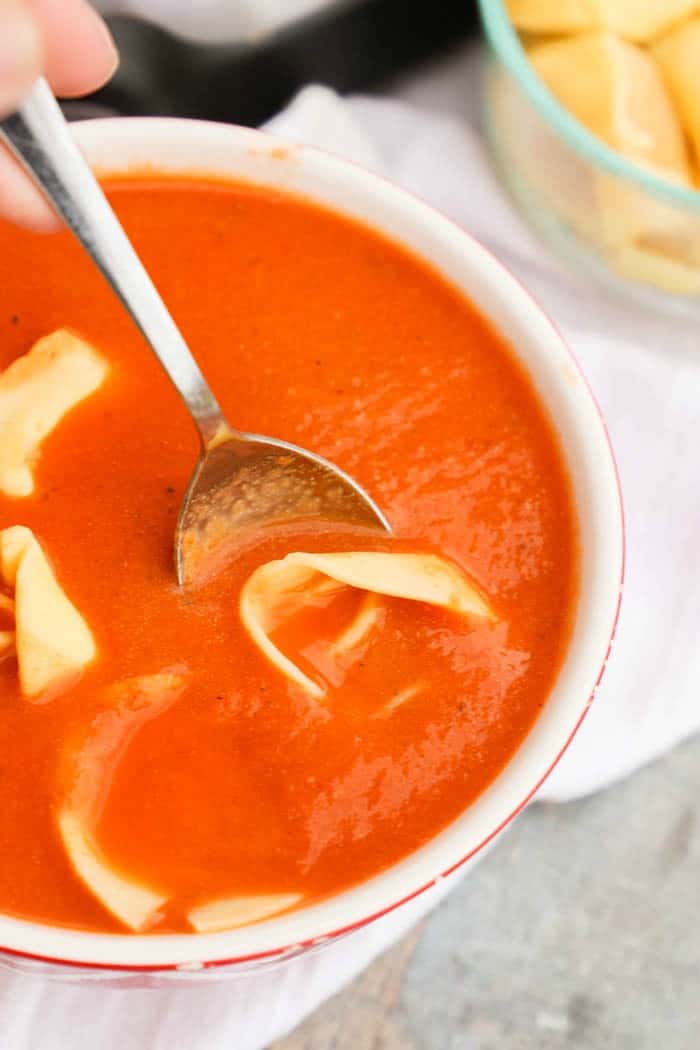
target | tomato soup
x=237, y=783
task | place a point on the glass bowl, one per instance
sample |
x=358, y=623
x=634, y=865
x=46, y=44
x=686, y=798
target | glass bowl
x=623, y=223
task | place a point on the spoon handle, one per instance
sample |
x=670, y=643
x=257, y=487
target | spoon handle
x=40, y=138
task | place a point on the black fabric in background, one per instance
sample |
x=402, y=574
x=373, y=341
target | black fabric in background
x=351, y=47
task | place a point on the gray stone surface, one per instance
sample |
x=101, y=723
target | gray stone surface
x=579, y=931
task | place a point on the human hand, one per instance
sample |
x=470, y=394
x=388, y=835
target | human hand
x=67, y=42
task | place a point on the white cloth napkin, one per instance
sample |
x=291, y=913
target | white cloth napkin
x=646, y=373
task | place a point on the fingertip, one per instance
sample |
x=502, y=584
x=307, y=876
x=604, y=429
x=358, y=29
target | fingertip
x=70, y=28
x=20, y=53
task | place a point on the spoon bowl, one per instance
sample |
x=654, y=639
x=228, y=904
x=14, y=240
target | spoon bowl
x=246, y=482
x=241, y=481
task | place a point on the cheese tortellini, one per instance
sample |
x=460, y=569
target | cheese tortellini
x=53, y=643
x=638, y=20
x=225, y=913
x=36, y=392
x=87, y=768
x=278, y=590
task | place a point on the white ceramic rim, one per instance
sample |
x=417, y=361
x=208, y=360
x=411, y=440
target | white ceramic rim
x=193, y=147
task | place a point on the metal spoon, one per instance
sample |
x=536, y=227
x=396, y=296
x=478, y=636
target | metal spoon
x=240, y=480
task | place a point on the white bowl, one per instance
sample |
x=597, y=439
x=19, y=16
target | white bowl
x=192, y=147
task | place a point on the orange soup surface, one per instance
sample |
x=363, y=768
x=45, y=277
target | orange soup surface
x=316, y=330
